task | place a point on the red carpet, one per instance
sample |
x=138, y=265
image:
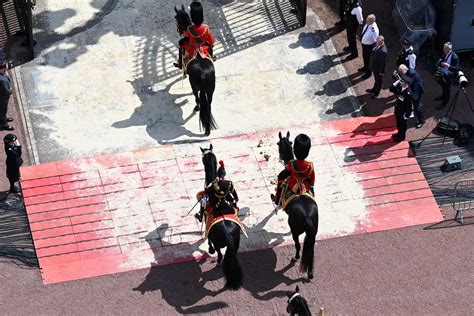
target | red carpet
x=121, y=212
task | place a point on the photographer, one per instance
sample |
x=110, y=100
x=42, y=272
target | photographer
x=417, y=89
x=403, y=105
x=448, y=66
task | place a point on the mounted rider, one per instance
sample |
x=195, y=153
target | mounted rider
x=301, y=178
x=198, y=38
x=219, y=193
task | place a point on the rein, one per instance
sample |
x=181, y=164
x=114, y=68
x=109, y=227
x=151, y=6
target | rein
x=293, y=297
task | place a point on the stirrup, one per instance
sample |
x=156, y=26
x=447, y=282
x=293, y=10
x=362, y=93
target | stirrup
x=178, y=65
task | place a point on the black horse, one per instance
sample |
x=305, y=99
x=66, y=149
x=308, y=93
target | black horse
x=224, y=233
x=202, y=77
x=297, y=304
x=302, y=213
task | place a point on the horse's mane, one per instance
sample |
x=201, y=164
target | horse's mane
x=210, y=166
x=285, y=150
x=183, y=19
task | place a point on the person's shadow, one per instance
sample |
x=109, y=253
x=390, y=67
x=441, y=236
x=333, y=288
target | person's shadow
x=181, y=285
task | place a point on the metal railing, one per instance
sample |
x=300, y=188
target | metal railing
x=463, y=198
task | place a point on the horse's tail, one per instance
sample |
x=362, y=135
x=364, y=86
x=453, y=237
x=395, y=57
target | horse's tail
x=205, y=96
x=307, y=260
x=232, y=270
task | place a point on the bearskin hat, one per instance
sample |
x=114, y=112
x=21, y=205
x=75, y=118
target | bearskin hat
x=302, y=146
x=197, y=14
x=221, y=171
x=9, y=138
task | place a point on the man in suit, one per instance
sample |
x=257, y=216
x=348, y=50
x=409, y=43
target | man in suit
x=403, y=104
x=417, y=89
x=342, y=8
x=378, y=59
x=5, y=93
x=370, y=31
x=448, y=65
x=354, y=18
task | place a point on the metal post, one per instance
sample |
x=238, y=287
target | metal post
x=29, y=26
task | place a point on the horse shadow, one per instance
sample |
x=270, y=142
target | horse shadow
x=260, y=274
x=164, y=122
x=182, y=285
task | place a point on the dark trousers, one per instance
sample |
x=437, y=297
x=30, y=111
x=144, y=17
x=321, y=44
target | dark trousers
x=3, y=113
x=401, y=121
x=12, y=184
x=417, y=110
x=351, y=39
x=446, y=87
x=366, y=51
x=342, y=6
x=378, y=83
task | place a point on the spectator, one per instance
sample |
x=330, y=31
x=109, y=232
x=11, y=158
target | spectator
x=354, y=18
x=403, y=106
x=407, y=55
x=378, y=59
x=5, y=92
x=14, y=161
x=368, y=38
x=417, y=89
x=342, y=8
x=448, y=67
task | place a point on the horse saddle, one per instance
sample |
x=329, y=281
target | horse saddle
x=212, y=219
x=187, y=58
x=288, y=195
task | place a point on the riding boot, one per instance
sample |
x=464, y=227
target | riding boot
x=200, y=214
x=211, y=53
x=179, y=64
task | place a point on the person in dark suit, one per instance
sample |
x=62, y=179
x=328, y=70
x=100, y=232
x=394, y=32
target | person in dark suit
x=403, y=105
x=14, y=161
x=378, y=59
x=342, y=9
x=354, y=18
x=448, y=67
x=5, y=93
x=417, y=89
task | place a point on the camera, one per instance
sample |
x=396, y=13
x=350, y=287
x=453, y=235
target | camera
x=461, y=79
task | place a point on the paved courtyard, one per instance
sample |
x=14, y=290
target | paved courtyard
x=112, y=87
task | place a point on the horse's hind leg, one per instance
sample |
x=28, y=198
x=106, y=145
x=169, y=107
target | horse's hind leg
x=219, y=256
x=211, y=248
x=297, y=246
x=196, y=96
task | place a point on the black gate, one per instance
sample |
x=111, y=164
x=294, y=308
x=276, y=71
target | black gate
x=301, y=7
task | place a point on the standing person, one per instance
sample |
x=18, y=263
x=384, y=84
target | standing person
x=354, y=18
x=342, y=8
x=370, y=31
x=417, y=89
x=378, y=59
x=407, y=55
x=5, y=93
x=403, y=106
x=14, y=161
x=448, y=66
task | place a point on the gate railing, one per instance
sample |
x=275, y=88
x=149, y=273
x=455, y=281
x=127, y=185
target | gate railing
x=463, y=198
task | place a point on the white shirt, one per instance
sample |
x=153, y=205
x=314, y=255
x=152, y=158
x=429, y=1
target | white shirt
x=357, y=11
x=370, y=33
x=411, y=58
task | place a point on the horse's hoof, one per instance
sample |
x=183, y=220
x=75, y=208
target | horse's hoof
x=212, y=251
x=294, y=259
x=196, y=108
x=310, y=276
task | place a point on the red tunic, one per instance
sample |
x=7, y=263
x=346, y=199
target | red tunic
x=200, y=37
x=303, y=173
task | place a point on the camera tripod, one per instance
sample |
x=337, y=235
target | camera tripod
x=449, y=113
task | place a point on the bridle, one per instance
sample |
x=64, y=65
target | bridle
x=293, y=297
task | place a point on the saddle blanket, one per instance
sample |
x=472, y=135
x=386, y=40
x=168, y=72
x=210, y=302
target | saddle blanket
x=211, y=221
